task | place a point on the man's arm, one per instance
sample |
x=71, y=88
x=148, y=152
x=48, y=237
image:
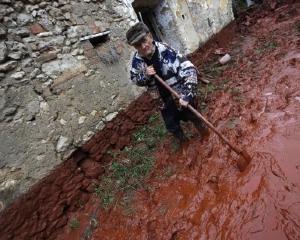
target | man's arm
x=140, y=73
x=188, y=73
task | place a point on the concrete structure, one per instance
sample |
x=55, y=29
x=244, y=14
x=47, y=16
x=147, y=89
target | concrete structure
x=56, y=91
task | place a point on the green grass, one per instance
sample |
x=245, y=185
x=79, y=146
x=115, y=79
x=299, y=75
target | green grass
x=266, y=46
x=129, y=168
x=74, y=224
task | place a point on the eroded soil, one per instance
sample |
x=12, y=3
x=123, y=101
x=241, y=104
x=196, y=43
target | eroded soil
x=197, y=191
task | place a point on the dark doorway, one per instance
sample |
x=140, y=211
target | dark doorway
x=147, y=15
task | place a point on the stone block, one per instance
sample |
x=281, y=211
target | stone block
x=36, y=29
x=91, y=53
x=87, y=45
x=46, y=57
x=3, y=52
x=8, y=66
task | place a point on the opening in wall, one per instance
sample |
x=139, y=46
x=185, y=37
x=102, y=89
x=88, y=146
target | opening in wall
x=146, y=14
x=97, y=39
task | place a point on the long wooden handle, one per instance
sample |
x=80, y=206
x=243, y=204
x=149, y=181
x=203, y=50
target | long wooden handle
x=234, y=148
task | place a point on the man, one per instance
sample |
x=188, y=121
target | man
x=153, y=57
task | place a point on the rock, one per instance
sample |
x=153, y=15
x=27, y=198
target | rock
x=23, y=19
x=81, y=120
x=2, y=31
x=18, y=75
x=3, y=52
x=8, y=22
x=27, y=63
x=5, y=1
x=75, y=52
x=32, y=108
x=63, y=122
x=16, y=46
x=62, y=144
x=8, y=66
x=8, y=185
x=36, y=29
x=94, y=112
x=90, y=73
x=9, y=111
x=43, y=4
x=45, y=34
x=34, y=13
x=87, y=136
x=81, y=58
x=2, y=99
x=44, y=106
x=66, y=50
x=15, y=55
x=57, y=67
x=53, y=41
x=29, y=40
x=46, y=57
x=111, y=116
x=18, y=6
x=100, y=125
x=2, y=75
x=34, y=73
x=23, y=32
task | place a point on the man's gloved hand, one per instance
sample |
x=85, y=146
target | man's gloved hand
x=184, y=100
x=183, y=103
x=150, y=71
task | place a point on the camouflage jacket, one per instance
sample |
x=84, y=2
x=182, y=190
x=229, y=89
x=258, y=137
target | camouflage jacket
x=175, y=69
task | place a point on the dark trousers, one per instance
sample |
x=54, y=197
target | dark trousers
x=172, y=116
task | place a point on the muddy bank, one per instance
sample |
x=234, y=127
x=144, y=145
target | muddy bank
x=45, y=209
x=197, y=192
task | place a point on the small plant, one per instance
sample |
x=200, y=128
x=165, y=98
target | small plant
x=266, y=46
x=130, y=166
x=74, y=224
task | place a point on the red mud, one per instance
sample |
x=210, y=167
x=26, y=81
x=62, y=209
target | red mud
x=205, y=197
x=42, y=212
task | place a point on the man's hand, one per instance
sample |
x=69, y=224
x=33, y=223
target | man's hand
x=150, y=71
x=183, y=103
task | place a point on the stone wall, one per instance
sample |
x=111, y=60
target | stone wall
x=55, y=90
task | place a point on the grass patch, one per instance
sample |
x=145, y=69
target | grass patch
x=266, y=46
x=130, y=166
x=74, y=224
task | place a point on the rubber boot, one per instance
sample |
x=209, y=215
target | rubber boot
x=201, y=128
x=180, y=136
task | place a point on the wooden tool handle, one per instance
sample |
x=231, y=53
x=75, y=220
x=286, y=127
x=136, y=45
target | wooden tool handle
x=234, y=148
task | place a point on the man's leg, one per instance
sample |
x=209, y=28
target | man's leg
x=187, y=115
x=171, y=116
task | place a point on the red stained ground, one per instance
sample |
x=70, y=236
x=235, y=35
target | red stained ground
x=206, y=197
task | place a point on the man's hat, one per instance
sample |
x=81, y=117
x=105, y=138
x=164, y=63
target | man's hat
x=136, y=33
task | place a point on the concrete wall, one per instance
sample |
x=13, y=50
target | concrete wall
x=187, y=24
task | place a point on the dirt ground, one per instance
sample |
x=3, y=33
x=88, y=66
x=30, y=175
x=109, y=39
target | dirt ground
x=197, y=192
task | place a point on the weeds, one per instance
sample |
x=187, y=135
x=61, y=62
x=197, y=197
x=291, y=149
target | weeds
x=267, y=46
x=130, y=166
x=74, y=224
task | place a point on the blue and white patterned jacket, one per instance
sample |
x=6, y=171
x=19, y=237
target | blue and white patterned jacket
x=175, y=69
